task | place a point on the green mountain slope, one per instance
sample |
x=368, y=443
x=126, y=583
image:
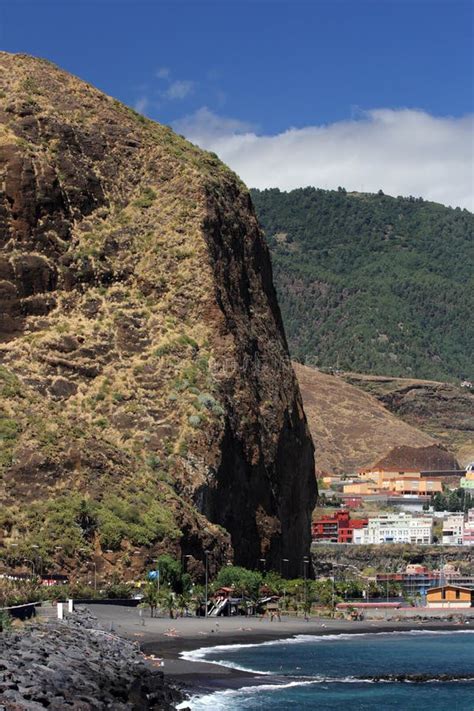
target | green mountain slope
x=372, y=283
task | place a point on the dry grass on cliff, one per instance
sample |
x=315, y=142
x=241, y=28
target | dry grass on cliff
x=351, y=428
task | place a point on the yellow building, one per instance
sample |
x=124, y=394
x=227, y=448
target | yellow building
x=382, y=477
x=408, y=485
x=449, y=596
x=380, y=482
x=361, y=488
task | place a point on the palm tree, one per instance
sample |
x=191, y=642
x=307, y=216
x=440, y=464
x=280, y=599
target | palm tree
x=150, y=597
x=168, y=601
x=183, y=602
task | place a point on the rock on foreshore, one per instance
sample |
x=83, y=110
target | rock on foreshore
x=73, y=665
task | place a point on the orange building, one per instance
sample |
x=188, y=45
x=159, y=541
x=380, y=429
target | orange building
x=383, y=477
x=379, y=481
x=408, y=485
x=449, y=596
x=362, y=488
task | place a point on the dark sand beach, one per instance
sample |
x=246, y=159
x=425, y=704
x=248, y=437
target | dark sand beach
x=166, y=639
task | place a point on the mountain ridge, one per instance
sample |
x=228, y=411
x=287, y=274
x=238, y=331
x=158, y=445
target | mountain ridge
x=370, y=283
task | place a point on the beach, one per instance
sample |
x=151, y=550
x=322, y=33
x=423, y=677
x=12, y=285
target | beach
x=163, y=640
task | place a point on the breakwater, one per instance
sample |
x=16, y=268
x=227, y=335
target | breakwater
x=73, y=664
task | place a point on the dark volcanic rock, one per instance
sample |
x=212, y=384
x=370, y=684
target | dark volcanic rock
x=72, y=664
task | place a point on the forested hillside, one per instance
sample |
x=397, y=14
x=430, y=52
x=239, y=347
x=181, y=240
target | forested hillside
x=373, y=283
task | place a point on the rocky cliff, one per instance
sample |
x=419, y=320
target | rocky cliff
x=147, y=400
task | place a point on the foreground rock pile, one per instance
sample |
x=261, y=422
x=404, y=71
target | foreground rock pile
x=74, y=665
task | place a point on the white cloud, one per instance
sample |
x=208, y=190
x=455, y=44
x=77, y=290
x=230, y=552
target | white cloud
x=141, y=104
x=179, y=89
x=204, y=127
x=162, y=73
x=401, y=151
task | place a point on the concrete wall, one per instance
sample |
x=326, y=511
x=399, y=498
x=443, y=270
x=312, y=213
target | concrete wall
x=407, y=613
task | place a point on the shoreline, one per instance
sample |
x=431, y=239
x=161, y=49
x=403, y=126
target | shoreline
x=158, y=641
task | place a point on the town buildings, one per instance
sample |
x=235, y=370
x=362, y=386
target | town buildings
x=453, y=530
x=377, y=481
x=337, y=527
x=468, y=533
x=396, y=528
x=467, y=481
x=458, y=529
x=406, y=472
x=416, y=579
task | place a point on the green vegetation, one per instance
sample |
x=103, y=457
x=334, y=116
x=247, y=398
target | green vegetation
x=146, y=199
x=245, y=582
x=371, y=283
x=172, y=574
x=456, y=500
x=9, y=383
x=72, y=522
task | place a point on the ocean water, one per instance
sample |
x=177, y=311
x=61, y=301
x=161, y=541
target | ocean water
x=323, y=672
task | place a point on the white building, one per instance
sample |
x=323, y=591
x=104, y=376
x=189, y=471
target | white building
x=396, y=528
x=468, y=533
x=453, y=530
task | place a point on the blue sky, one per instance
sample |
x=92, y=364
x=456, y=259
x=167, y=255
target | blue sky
x=264, y=67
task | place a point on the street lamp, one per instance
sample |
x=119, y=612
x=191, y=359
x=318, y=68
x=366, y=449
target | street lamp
x=206, y=554
x=40, y=559
x=91, y=562
x=155, y=560
x=283, y=560
x=28, y=560
x=357, y=572
x=305, y=563
x=263, y=561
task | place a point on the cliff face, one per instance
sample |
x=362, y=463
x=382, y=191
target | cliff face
x=147, y=400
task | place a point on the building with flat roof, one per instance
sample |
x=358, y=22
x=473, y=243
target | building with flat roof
x=468, y=533
x=453, y=530
x=336, y=528
x=396, y=528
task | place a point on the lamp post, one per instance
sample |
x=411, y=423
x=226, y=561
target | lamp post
x=283, y=562
x=263, y=561
x=157, y=569
x=357, y=572
x=40, y=560
x=13, y=545
x=206, y=554
x=305, y=563
x=93, y=562
x=28, y=560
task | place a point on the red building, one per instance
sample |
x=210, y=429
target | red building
x=337, y=527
